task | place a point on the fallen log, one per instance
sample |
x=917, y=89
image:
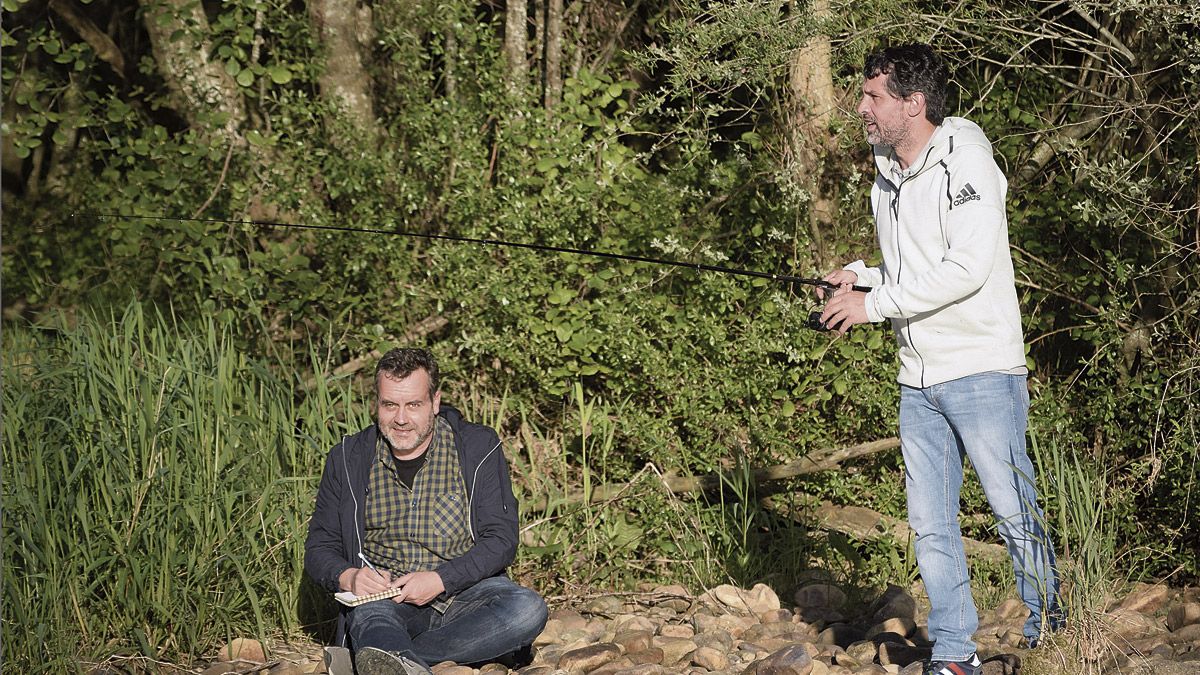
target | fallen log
x=824, y=460
x=863, y=524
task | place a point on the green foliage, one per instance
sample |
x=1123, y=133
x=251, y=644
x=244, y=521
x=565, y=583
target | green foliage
x=157, y=487
x=679, y=151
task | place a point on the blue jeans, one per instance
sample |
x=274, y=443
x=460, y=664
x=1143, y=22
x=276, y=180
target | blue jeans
x=982, y=417
x=487, y=620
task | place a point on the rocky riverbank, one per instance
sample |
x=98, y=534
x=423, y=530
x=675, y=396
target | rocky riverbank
x=734, y=631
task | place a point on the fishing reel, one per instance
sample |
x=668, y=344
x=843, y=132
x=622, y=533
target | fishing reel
x=814, y=322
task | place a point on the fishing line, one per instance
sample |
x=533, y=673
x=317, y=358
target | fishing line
x=786, y=278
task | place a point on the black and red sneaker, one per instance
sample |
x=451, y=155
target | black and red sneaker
x=972, y=666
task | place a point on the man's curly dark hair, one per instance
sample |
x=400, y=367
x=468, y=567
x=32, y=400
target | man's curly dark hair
x=911, y=68
x=401, y=362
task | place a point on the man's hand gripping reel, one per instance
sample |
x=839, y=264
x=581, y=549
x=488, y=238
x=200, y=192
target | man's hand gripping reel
x=814, y=318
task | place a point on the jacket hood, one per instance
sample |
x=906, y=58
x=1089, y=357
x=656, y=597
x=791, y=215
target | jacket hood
x=952, y=133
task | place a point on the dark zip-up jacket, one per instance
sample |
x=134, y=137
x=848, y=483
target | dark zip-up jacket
x=335, y=532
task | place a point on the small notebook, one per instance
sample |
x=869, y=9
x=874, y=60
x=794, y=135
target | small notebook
x=349, y=599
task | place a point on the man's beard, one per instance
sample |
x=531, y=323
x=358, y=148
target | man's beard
x=398, y=444
x=884, y=135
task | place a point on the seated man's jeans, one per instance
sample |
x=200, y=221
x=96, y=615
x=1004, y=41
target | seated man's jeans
x=982, y=417
x=486, y=621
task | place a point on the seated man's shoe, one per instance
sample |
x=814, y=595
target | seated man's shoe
x=972, y=666
x=518, y=659
x=372, y=661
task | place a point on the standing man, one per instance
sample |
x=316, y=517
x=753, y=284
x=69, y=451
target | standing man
x=946, y=283
x=421, y=502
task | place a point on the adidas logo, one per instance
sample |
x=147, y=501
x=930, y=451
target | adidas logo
x=967, y=194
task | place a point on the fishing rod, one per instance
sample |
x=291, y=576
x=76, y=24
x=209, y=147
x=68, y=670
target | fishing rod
x=812, y=322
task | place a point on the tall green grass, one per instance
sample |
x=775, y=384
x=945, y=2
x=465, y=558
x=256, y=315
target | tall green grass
x=157, y=484
x=1082, y=508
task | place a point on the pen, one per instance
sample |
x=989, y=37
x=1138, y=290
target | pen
x=368, y=562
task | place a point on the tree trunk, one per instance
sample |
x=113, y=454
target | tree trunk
x=450, y=76
x=515, y=40
x=345, y=80
x=554, y=32
x=198, y=86
x=812, y=103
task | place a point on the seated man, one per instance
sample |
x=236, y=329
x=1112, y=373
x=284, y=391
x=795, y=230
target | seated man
x=421, y=502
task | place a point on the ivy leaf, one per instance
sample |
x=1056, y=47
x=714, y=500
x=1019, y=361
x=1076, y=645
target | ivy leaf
x=280, y=74
x=257, y=139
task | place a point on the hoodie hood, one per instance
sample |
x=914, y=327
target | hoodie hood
x=952, y=133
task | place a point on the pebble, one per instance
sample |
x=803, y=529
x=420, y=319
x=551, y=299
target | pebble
x=735, y=631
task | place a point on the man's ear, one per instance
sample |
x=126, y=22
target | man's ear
x=437, y=402
x=915, y=104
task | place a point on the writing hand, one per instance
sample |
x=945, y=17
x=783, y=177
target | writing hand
x=364, y=580
x=419, y=587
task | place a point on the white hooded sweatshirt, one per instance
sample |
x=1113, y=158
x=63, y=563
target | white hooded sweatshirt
x=946, y=281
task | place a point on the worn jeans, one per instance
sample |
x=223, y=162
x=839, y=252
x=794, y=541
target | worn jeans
x=483, y=622
x=982, y=417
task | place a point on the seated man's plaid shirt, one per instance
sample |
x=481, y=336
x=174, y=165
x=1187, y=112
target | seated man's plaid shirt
x=417, y=530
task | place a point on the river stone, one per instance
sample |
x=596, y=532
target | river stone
x=537, y=670
x=1189, y=633
x=674, y=649
x=676, y=597
x=755, y=601
x=589, y=658
x=1131, y=624
x=819, y=596
x=634, y=622
x=615, y=666
x=709, y=658
x=767, y=630
x=451, y=668
x=841, y=634
x=715, y=638
x=902, y=654
x=548, y=654
x=862, y=652
x=606, y=605
x=776, y=616
x=789, y=661
x=1002, y=664
x=1183, y=614
x=633, y=640
x=243, y=649
x=894, y=603
x=1011, y=638
x=1150, y=645
x=489, y=668
x=568, y=618
x=1156, y=666
x=1145, y=598
x=644, y=669
x=729, y=623
x=677, y=630
x=897, y=626
x=647, y=655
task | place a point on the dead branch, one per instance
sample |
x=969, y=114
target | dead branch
x=821, y=460
x=863, y=524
